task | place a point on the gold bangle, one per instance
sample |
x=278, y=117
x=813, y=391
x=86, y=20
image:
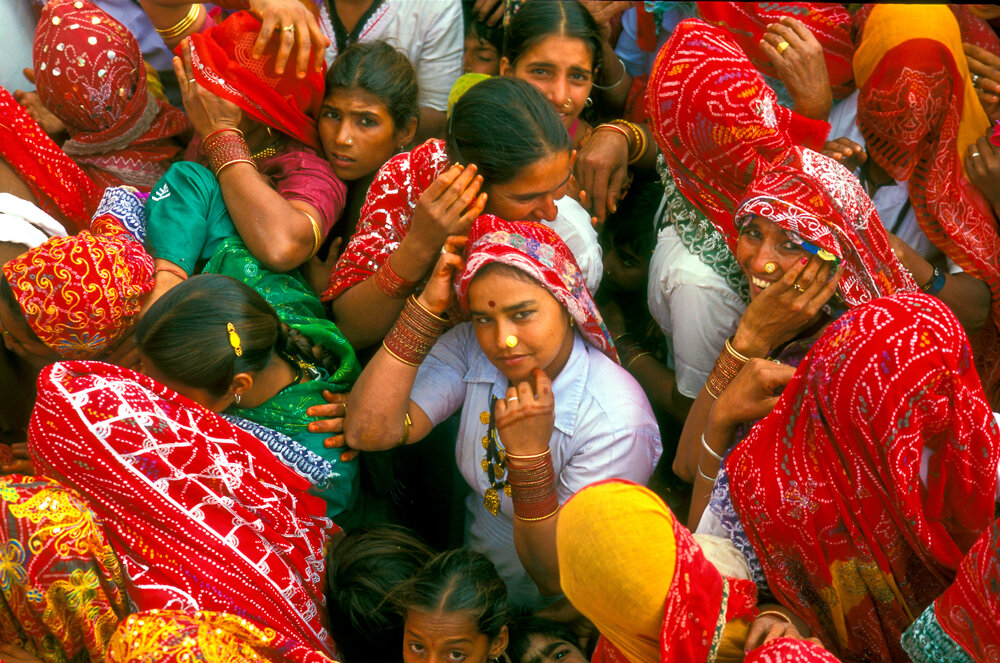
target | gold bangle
x=183, y=25
x=230, y=163
x=782, y=616
x=406, y=430
x=317, y=234
x=397, y=357
x=531, y=457
x=535, y=520
x=729, y=346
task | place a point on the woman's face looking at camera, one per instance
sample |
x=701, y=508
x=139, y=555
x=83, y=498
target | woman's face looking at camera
x=765, y=252
x=562, y=68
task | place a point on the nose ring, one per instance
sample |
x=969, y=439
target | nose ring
x=511, y=341
x=769, y=267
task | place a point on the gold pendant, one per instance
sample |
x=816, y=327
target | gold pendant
x=499, y=471
x=502, y=454
x=492, y=501
x=486, y=442
x=506, y=489
x=484, y=417
x=486, y=465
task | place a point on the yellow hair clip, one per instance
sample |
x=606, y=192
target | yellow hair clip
x=234, y=339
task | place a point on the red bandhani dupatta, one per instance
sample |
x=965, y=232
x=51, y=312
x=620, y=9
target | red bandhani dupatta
x=716, y=120
x=89, y=73
x=828, y=487
x=746, y=23
x=919, y=113
x=820, y=203
x=222, y=61
x=200, y=513
x=60, y=186
x=789, y=650
x=969, y=611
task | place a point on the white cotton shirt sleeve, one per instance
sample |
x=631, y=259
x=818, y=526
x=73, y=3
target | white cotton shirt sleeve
x=573, y=225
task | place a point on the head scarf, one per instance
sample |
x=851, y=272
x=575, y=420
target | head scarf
x=90, y=74
x=80, y=294
x=200, y=513
x=222, y=62
x=822, y=207
x=789, y=650
x=167, y=636
x=539, y=252
x=746, y=23
x=919, y=113
x=464, y=83
x=828, y=488
x=616, y=539
x=716, y=120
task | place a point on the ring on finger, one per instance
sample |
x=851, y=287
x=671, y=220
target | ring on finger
x=190, y=81
x=288, y=28
x=798, y=287
x=513, y=398
x=975, y=154
x=975, y=79
x=782, y=45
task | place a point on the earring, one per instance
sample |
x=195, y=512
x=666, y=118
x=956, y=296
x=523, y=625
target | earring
x=769, y=267
x=236, y=397
x=588, y=103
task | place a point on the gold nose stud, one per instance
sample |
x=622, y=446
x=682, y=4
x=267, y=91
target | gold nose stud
x=511, y=341
x=769, y=267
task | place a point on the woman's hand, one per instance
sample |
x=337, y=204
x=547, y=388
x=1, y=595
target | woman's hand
x=331, y=420
x=31, y=102
x=982, y=163
x=526, y=418
x=985, y=69
x=785, y=307
x=847, y=152
x=601, y=169
x=750, y=396
x=489, y=11
x=448, y=207
x=17, y=461
x=278, y=15
x=437, y=295
x=207, y=111
x=800, y=66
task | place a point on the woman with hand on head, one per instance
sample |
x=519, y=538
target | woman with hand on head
x=545, y=407
x=507, y=154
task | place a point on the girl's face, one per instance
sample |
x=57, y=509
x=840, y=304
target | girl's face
x=440, y=637
x=624, y=269
x=502, y=305
x=532, y=195
x=358, y=133
x=763, y=243
x=547, y=649
x=481, y=57
x=562, y=68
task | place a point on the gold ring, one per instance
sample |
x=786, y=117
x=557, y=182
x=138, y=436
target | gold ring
x=782, y=45
x=798, y=287
x=288, y=28
x=975, y=154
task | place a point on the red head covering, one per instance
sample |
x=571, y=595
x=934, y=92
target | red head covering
x=201, y=514
x=969, y=611
x=538, y=251
x=746, y=23
x=89, y=73
x=828, y=486
x=80, y=294
x=716, y=121
x=919, y=113
x=223, y=62
x=818, y=201
x=789, y=650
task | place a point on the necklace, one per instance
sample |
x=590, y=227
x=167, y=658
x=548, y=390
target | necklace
x=494, y=464
x=268, y=151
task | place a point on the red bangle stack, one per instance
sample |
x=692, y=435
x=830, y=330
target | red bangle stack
x=727, y=366
x=533, y=486
x=392, y=284
x=224, y=148
x=414, y=333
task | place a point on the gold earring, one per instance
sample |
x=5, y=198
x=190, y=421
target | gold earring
x=769, y=267
x=511, y=341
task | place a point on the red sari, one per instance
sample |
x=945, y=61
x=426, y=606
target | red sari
x=828, y=486
x=200, y=513
x=717, y=122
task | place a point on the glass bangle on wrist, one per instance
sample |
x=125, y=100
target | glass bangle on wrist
x=935, y=282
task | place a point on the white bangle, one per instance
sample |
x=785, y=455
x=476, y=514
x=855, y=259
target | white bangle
x=616, y=83
x=710, y=450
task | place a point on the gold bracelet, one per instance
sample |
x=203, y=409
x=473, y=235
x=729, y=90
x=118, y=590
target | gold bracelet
x=406, y=430
x=231, y=162
x=317, y=234
x=531, y=457
x=183, y=25
x=535, y=520
x=783, y=617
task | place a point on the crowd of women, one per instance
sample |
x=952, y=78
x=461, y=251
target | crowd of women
x=693, y=309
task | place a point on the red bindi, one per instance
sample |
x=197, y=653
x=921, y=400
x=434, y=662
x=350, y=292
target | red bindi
x=492, y=303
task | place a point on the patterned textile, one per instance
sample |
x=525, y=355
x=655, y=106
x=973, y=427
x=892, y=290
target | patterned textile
x=828, y=486
x=746, y=23
x=385, y=216
x=926, y=642
x=716, y=120
x=80, y=294
x=171, y=636
x=788, y=650
x=59, y=185
x=822, y=206
x=89, y=73
x=62, y=586
x=222, y=62
x=200, y=513
x=679, y=605
x=127, y=207
x=539, y=252
x=969, y=610
x=919, y=113
x=698, y=234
